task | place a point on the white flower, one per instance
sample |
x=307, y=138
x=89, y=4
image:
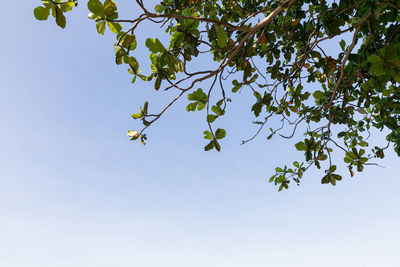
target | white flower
x=132, y=133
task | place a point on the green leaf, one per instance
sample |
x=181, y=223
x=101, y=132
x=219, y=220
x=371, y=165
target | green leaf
x=114, y=27
x=208, y=135
x=118, y=50
x=222, y=37
x=41, y=13
x=326, y=179
x=198, y=95
x=342, y=44
x=101, y=27
x=333, y=180
x=217, y=146
x=109, y=7
x=128, y=40
x=200, y=105
x=301, y=146
x=159, y=8
x=332, y=168
x=236, y=88
x=374, y=59
x=65, y=7
x=157, y=84
x=280, y=179
x=136, y=115
x=96, y=7
x=337, y=177
x=272, y=178
x=348, y=159
x=210, y=146
x=211, y=118
x=133, y=45
x=191, y=107
x=60, y=18
x=377, y=69
x=363, y=144
x=220, y=133
x=318, y=95
x=217, y=110
x=154, y=45
x=143, y=77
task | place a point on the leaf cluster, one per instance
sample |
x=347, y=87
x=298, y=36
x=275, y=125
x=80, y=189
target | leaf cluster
x=277, y=50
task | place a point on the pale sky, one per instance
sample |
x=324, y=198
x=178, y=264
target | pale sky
x=74, y=191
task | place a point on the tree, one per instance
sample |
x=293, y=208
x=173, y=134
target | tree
x=276, y=49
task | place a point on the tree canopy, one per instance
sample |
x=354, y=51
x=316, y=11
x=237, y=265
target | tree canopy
x=277, y=49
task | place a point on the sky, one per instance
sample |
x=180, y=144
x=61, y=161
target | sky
x=74, y=191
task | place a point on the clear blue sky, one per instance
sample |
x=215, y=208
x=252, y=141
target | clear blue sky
x=74, y=191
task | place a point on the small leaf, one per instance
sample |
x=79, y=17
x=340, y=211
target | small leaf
x=348, y=160
x=114, y=27
x=363, y=144
x=318, y=95
x=301, y=146
x=326, y=179
x=200, y=97
x=217, y=146
x=60, y=18
x=159, y=8
x=236, y=88
x=157, y=83
x=109, y=7
x=128, y=40
x=96, y=7
x=280, y=179
x=208, y=135
x=191, y=107
x=136, y=115
x=67, y=6
x=217, y=110
x=101, y=27
x=333, y=180
x=220, y=133
x=155, y=45
x=342, y=44
x=41, y=13
x=222, y=37
x=332, y=168
x=337, y=176
x=211, y=118
x=210, y=146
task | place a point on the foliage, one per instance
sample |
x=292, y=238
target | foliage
x=276, y=50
